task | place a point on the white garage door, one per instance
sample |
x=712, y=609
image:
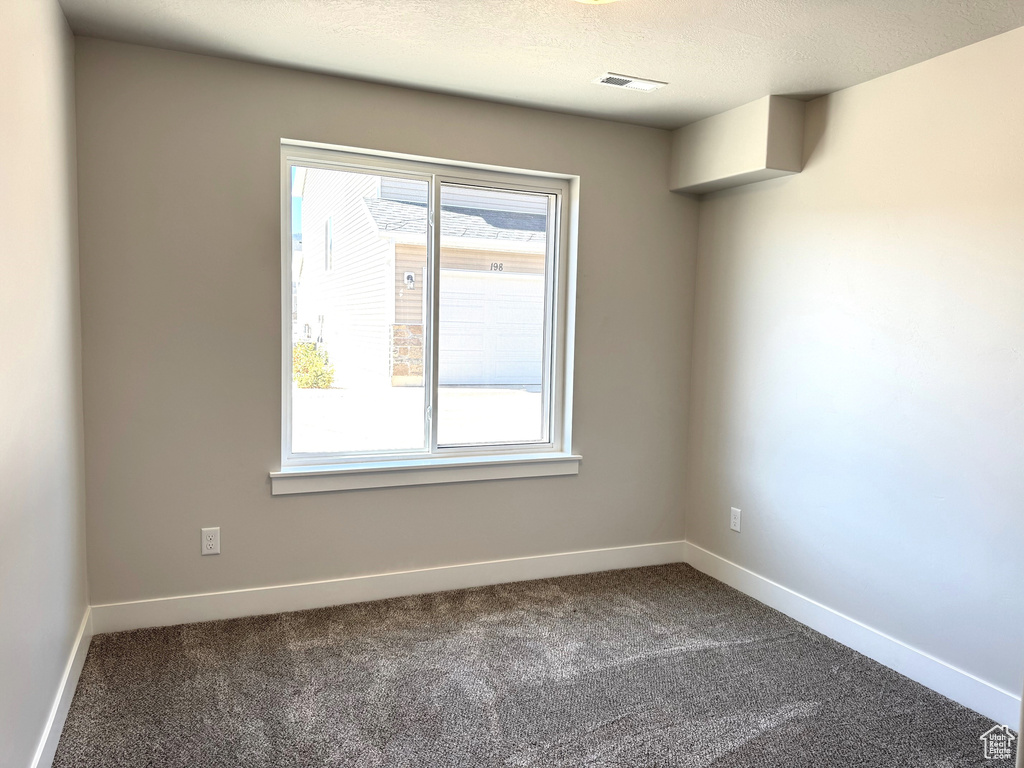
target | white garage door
x=492, y=329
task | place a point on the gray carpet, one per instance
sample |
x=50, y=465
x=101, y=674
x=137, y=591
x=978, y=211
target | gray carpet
x=648, y=667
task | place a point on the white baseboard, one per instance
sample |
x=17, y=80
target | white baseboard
x=65, y=692
x=962, y=687
x=116, y=617
x=983, y=697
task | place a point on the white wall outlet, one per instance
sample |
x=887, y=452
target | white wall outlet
x=734, y=520
x=211, y=541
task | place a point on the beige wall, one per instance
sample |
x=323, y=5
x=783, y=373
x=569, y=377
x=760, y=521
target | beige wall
x=42, y=555
x=858, y=380
x=179, y=212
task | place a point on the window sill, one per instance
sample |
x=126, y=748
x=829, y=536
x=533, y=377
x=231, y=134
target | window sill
x=389, y=474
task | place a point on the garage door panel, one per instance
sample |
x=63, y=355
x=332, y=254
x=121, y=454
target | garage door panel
x=492, y=329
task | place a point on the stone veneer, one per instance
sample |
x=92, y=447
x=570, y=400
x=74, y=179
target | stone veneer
x=406, y=355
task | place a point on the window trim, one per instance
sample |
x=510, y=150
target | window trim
x=471, y=462
x=451, y=469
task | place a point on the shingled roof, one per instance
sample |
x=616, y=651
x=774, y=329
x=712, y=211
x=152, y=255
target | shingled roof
x=400, y=216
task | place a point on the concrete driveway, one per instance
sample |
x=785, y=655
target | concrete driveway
x=391, y=418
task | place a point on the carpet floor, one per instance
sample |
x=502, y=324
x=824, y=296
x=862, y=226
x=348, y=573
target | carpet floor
x=648, y=667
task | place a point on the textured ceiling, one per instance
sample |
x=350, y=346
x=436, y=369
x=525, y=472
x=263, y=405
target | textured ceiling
x=715, y=54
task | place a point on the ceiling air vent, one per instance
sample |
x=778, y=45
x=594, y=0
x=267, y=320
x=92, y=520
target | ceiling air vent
x=629, y=83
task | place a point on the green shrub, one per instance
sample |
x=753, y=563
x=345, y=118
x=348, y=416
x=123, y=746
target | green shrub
x=310, y=366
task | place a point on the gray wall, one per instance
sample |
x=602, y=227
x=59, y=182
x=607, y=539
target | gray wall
x=179, y=189
x=858, y=380
x=42, y=555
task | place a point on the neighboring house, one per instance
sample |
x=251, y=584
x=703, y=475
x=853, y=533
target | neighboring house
x=360, y=273
x=297, y=332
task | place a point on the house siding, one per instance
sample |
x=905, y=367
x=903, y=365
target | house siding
x=356, y=286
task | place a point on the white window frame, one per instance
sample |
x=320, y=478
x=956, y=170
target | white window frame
x=317, y=472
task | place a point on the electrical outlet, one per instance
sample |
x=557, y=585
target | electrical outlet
x=734, y=520
x=211, y=541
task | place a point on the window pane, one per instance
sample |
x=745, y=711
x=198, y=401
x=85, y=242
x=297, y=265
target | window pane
x=495, y=262
x=358, y=273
